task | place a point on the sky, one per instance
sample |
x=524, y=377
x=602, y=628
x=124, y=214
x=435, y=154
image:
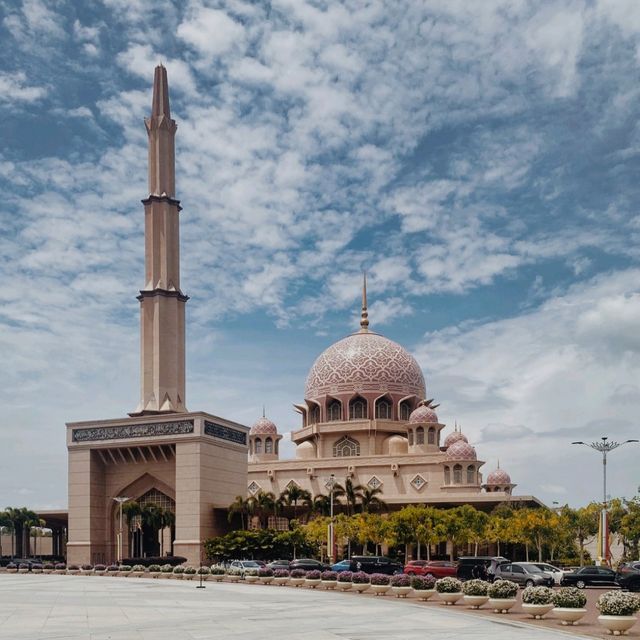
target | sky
x=479, y=160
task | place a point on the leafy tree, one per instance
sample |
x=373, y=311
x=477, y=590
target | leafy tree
x=630, y=528
x=583, y=523
x=6, y=526
x=238, y=506
x=352, y=494
x=19, y=518
x=498, y=529
x=321, y=505
x=371, y=501
x=293, y=496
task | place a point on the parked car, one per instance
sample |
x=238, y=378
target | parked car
x=435, y=568
x=308, y=564
x=375, y=564
x=556, y=573
x=628, y=576
x=467, y=563
x=242, y=566
x=279, y=564
x=526, y=574
x=343, y=565
x=590, y=577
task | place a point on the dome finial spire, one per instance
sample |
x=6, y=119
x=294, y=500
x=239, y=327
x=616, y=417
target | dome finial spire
x=263, y=415
x=364, y=316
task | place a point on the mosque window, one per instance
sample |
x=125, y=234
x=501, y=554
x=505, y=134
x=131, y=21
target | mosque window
x=383, y=410
x=410, y=437
x=258, y=445
x=457, y=474
x=405, y=411
x=447, y=475
x=431, y=438
x=314, y=415
x=254, y=487
x=268, y=445
x=471, y=474
x=420, y=435
x=346, y=447
x=358, y=409
x=334, y=411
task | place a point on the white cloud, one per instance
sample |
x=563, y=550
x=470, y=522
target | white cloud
x=14, y=89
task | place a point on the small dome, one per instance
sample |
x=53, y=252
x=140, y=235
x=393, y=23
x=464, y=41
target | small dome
x=452, y=438
x=397, y=445
x=461, y=450
x=498, y=476
x=423, y=414
x=263, y=426
x=306, y=450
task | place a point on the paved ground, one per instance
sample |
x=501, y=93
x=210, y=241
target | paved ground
x=101, y=608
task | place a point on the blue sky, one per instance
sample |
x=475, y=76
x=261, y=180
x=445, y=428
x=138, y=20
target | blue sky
x=479, y=160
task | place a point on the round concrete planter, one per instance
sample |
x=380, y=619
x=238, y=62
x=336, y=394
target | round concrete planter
x=617, y=625
x=328, y=584
x=24, y=571
x=502, y=605
x=232, y=578
x=424, y=594
x=251, y=579
x=280, y=581
x=536, y=611
x=450, y=598
x=74, y=572
x=475, y=602
x=380, y=589
x=296, y=582
x=217, y=577
x=189, y=576
x=400, y=592
x=48, y=571
x=343, y=586
x=15, y=571
x=154, y=574
x=60, y=572
x=137, y=574
x=40, y=571
x=165, y=576
x=177, y=576
x=568, y=616
x=266, y=579
x=360, y=586
x=312, y=584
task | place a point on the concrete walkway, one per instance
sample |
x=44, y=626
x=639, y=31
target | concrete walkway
x=101, y=608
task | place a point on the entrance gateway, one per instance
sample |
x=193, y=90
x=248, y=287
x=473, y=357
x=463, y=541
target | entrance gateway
x=190, y=463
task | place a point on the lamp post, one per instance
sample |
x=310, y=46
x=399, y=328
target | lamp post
x=331, y=483
x=120, y=500
x=604, y=446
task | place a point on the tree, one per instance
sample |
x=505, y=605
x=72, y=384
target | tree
x=238, y=506
x=584, y=524
x=371, y=501
x=19, y=517
x=538, y=526
x=293, y=495
x=322, y=505
x=454, y=528
x=352, y=494
x=5, y=526
x=265, y=505
x=168, y=522
x=630, y=528
x=497, y=529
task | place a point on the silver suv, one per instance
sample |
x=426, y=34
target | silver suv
x=526, y=574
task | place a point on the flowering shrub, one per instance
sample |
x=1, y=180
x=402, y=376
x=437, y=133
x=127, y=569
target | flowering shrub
x=569, y=598
x=298, y=573
x=537, y=595
x=618, y=603
x=313, y=575
x=37, y=567
x=203, y=571
x=360, y=577
x=155, y=568
x=502, y=590
x=217, y=570
x=329, y=575
x=60, y=566
x=250, y=572
x=12, y=565
x=281, y=573
x=423, y=583
x=190, y=571
x=475, y=588
x=71, y=567
x=112, y=567
x=98, y=567
x=379, y=579
x=265, y=572
x=178, y=570
x=448, y=585
x=400, y=580
x=123, y=567
x=345, y=576
x=23, y=565
x=138, y=568
x=49, y=565
x=87, y=567
x=166, y=568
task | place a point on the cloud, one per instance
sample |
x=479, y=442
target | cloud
x=14, y=89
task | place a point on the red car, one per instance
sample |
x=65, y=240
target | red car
x=435, y=568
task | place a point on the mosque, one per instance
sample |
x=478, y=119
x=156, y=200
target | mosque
x=365, y=416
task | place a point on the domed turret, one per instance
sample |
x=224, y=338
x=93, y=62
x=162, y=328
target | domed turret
x=264, y=441
x=424, y=414
x=498, y=480
x=461, y=450
x=263, y=426
x=456, y=436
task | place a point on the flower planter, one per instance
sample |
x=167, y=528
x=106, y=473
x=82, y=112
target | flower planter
x=280, y=582
x=296, y=582
x=154, y=574
x=48, y=571
x=164, y=575
x=312, y=584
x=536, y=611
x=177, y=576
x=40, y=571
x=233, y=578
x=329, y=584
x=13, y=570
x=360, y=586
x=137, y=574
x=380, y=589
x=450, y=598
x=343, y=586
x=475, y=602
x=568, y=616
x=266, y=579
x=23, y=570
x=502, y=605
x=400, y=592
x=617, y=625
x=251, y=579
x=73, y=572
x=424, y=594
x=60, y=572
x=217, y=577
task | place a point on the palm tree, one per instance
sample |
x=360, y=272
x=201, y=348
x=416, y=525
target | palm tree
x=168, y=522
x=322, y=505
x=371, y=501
x=265, y=505
x=131, y=510
x=293, y=495
x=34, y=527
x=239, y=505
x=5, y=526
x=351, y=492
x=19, y=516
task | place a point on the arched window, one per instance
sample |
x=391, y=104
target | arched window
x=457, y=474
x=358, y=409
x=383, y=410
x=258, y=445
x=410, y=437
x=431, y=437
x=405, y=411
x=447, y=475
x=471, y=474
x=314, y=415
x=334, y=411
x=268, y=445
x=420, y=435
x=346, y=447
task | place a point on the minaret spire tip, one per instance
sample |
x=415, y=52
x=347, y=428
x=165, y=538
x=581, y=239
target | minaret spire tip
x=364, y=315
x=160, y=104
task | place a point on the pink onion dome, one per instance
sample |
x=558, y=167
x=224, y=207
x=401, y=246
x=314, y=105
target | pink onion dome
x=263, y=426
x=461, y=450
x=498, y=476
x=422, y=414
x=452, y=438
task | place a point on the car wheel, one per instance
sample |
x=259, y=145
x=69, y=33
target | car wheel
x=528, y=583
x=581, y=584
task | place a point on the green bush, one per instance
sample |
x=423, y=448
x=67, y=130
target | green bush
x=569, y=598
x=537, y=595
x=475, y=588
x=448, y=585
x=502, y=590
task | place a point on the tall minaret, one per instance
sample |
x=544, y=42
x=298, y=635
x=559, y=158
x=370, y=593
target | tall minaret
x=162, y=303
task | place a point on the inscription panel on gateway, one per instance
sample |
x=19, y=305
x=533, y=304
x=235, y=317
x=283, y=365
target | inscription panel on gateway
x=95, y=434
x=225, y=433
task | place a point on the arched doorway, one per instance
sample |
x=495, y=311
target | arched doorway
x=152, y=525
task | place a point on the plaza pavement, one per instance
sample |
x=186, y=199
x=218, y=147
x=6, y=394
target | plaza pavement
x=100, y=608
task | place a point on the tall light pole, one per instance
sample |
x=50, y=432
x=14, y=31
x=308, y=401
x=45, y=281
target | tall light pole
x=120, y=500
x=604, y=446
x=331, y=483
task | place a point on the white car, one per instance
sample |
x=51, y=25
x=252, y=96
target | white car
x=240, y=567
x=557, y=574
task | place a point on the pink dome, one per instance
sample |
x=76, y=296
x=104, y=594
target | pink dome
x=423, y=414
x=263, y=426
x=452, y=438
x=365, y=362
x=498, y=476
x=461, y=450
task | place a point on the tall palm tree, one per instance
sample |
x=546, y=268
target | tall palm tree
x=293, y=495
x=352, y=493
x=370, y=500
x=239, y=505
x=322, y=505
x=265, y=505
x=19, y=516
x=5, y=526
x=168, y=522
x=131, y=510
x=33, y=526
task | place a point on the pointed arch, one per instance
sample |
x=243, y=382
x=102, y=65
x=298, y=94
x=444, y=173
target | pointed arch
x=358, y=408
x=383, y=407
x=346, y=447
x=333, y=409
